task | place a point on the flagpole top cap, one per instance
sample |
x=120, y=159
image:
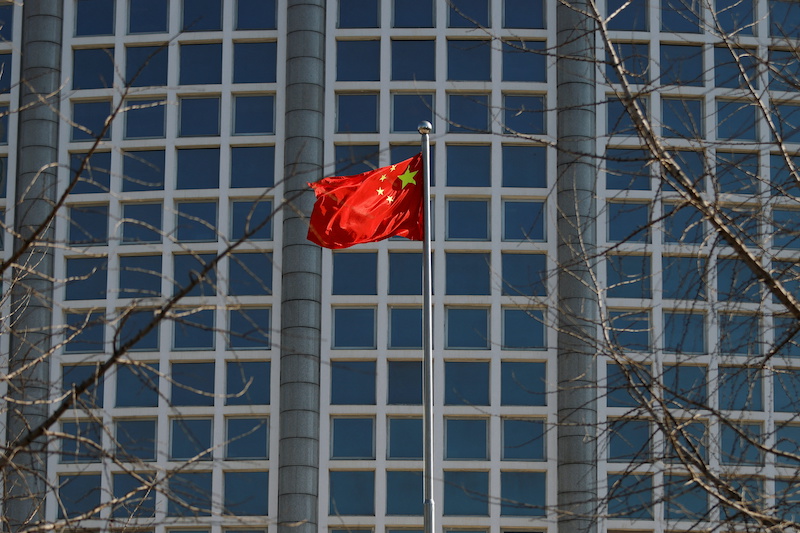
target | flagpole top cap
x=424, y=127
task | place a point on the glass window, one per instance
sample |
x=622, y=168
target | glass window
x=523, y=14
x=739, y=334
x=75, y=375
x=255, y=15
x=523, y=493
x=247, y=383
x=628, y=276
x=133, y=325
x=786, y=118
x=199, y=116
x=682, y=224
x=628, y=441
x=4, y=123
x=92, y=68
x=356, y=158
x=627, y=169
x=630, y=330
x=89, y=120
x=134, y=495
x=468, y=60
x=523, y=221
x=352, y=493
x=468, y=14
x=684, y=499
x=78, y=494
x=523, y=439
x=84, y=443
x=144, y=119
x=736, y=173
x=358, y=60
x=201, y=64
x=405, y=327
x=254, y=115
x=786, y=229
x=137, y=385
x=783, y=17
x=468, y=220
x=146, y=66
x=87, y=278
x=740, y=388
x=468, y=113
x=466, y=439
x=684, y=277
x=202, y=15
x=405, y=273
x=196, y=221
x=785, y=71
x=524, y=61
x=628, y=222
x=247, y=55
x=466, y=493
x=405, y=383
x=357, y=113
x=252, y=166
x=681, y=16
x=143, y=170
x=787, y=441
x=684, y=332
x=469, y=165
x=523, y=329
x=630, y=496
x=187, y=267
x=247, y=438
x=628, y=386
x=728, y=68
x=252, y=219
x=194, y=330
x=524, y=114
x=687, y=439
x=198, y=168
x=250, y=274
x=409, y=109
x=141, y=222
x=628, y=15
x=6, y=22
x=94, y=177
x=192, y=384
x=682, y=118
x=353, y=382
x=524, y=274
x=195, y=493
x=354, y=328
x=468, y=273
x=136, y=439
x=782, y=180
x=785, y=326
x=523, y=383
x=147, y=16
x=413, y=60
x=85, y=332
x=404, y=493
x=249, y=328
x=358, y=14
x=735, y=16
x=682, y=65
x=88, y=225
x=139, y=276
x=413, y=14
x=466, y=383
x=353, y=438
x=404, y=438
x=241, y=499
x=786, y=382
x=467, y=328
x=523, y=166
x=93, y=17
x=736, y=120
x=736, y=282
x=635, y=59
x=739, y=444
x=618, y=121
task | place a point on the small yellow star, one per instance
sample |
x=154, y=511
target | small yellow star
x=390, y=199
x=383, y=178
x=393, y=167
x=380, y=190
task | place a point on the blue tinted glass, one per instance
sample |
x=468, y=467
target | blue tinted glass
x=241, y=499
x=628, y=440
x=250, y=274
x=785, y=326
x=524, y=61
x=141, y=222
x=684, y=499
x=247, y=383
x=523, y=440
x=787, y=441
x=405, y=273
x=628, y=222
x=405, y=383
x=252, y=166
x=137, y=386
x=405, y=327
x=737, y=173
x=736, y=120
x=251, y=219
x=735, y=16
x=524, y=114
x=523, y=221
x=139, y=276
x=86, y=332
x=523, y=329
x=523, y=493
x=467, y=328
x=618, y=121
x=195, y=493
x=353, y=438
x=255, y=15
x=355, y=273
x=740, y=388
x=192, y=384
x=630, y=496
x=752, y=493
x=468, y=220
x=681, y=16
x=249, y=328
x=247, y=438
x=682, y=225
x=357, y=113
x=87, y=278
x=75, y=375
x=195, y=331
x=354, y=328
x=6, y=22
x=5, y=68
x=84, y=443
x=627, y=169
x=728, y=68
x=466, y=493
x=413, y=14
x=787, y=499
x=629, y=386
x=353, y=382
x=523, y=383
x=144, y=119
x=140, y=504
x=691, y=439
x=198, y=168
x=247, y=55
x=146, y=65
x=628, y=276
x=89, y=120
x=468, y=273
x=94, y=17
x=88, y=225
x=738, y=334
x=352, y=493
x=736, y=282
x=132, y=328
x=630, y=330
x=781, y=178
x=413, y=60
x=469, y=166
x=635, y=58
x=524, y=274
x=4, y=115
x=684, y=277
x=136, y=439
x=693, y=164
x=466, y=383
x=682, y=118
x=202, y=15
x=200, y=64
x=408, y=110
x=404, y=493
x=254, y=115
x=405, y=438
x=4, y=173
x=78, y=494
x=356, y=158
x=741, y=449
x=682, y=65
x=786, y=69
x=358, y=13
x=786, y=118
x=684, y=332
x=92, y=68
x=357, y=60
x=199, y=116
x=468, y=60
x=466, y=438
x=197, y=221
x=143, y=170
x=523, y=166
x=628, y=15
x=523, y=14
x=786, y=382
x=148, y=16
x=468, y=14
x=783, y=17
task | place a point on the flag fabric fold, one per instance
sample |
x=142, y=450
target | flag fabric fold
x=369, y=207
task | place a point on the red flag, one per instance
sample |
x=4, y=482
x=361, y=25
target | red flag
x=369, y=207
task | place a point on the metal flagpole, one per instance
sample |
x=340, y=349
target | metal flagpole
x=425, y=128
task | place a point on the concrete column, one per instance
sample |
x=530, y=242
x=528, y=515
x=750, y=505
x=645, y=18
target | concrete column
x=32, y=290
x=298, y=464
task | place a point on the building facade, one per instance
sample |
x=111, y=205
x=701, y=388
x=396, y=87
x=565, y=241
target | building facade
x=174, y=115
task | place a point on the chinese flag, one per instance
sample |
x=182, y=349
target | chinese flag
x=369, y=207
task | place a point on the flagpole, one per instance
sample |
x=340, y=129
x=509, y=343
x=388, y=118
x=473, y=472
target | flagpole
x=425, y=128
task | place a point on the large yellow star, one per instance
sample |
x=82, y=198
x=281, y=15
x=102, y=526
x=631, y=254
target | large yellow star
x=407, y=177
